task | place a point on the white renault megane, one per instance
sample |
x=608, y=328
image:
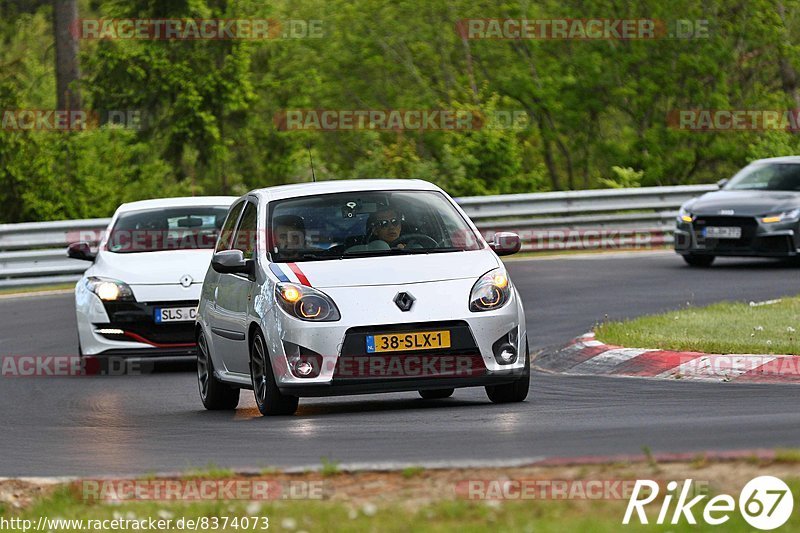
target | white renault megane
x=139, y=297
x=350, y=287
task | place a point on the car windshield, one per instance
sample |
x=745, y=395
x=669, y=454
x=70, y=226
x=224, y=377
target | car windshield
x=171, y=228
x=365, y=224
x=767, y=177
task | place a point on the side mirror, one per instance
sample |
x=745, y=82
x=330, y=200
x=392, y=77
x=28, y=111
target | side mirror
x=723, y=182
x=505, y=243
x=81, y=250
x=232, y=262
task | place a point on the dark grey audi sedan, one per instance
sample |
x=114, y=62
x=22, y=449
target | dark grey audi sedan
x=754, y=214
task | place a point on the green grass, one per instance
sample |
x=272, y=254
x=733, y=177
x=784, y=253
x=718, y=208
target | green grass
x=412, y=471
x=725, y=328
x=36, y=288
x=790, y=455
x=330, y=467
x=211, y=471
x=459, y=515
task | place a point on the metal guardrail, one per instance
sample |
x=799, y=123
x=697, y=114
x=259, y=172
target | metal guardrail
x=34, y=253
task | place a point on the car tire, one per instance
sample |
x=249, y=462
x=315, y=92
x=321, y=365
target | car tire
x=436, y=394
x=512, y=392
x=215, y=395
x=269, y=400
x=700, y=261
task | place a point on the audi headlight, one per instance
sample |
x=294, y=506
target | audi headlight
x=685, y=216
x=786, y=216
x=306, y=303
x=491, y=291
x=110, y=290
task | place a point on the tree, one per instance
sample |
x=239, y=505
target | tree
x=68, y=73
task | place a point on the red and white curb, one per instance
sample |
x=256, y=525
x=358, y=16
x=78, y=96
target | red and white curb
x=588, y=356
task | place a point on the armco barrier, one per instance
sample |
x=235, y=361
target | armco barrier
x=34, y=253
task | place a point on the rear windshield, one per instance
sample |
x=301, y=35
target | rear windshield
x=367, y=223
x=172, y=228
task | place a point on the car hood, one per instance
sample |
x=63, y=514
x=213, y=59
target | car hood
x=394, y=270
x=744, y=203
x=152, y=268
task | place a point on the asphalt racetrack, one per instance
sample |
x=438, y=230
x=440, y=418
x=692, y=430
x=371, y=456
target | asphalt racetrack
x=156, y=423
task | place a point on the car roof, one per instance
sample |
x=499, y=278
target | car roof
x=185, y=201
x=281, y=192
x=792, y=159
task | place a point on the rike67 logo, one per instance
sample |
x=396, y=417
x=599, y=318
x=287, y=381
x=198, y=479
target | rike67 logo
x=765, y=503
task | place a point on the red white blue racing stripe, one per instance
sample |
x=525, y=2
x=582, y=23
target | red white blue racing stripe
x=289, y=273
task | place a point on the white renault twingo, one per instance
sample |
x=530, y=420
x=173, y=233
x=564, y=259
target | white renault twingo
x=350, y=287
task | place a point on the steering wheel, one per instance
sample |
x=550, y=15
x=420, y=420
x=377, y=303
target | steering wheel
x=419, y=238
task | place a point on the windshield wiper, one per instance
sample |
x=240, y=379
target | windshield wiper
x=373, y=253
x=305, y=256
x=436, y=250
x=400, y=251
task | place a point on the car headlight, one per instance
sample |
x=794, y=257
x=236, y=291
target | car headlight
x=685, y=216
x=786, y=216
x=110, y=290
x=491, y=291
x=306, y=303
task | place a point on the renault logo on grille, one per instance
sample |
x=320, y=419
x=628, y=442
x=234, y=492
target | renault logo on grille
x=404, y=301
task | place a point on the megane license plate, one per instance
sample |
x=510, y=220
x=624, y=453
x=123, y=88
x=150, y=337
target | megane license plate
x=175, y=314
x=397, y=342
x=723, y=232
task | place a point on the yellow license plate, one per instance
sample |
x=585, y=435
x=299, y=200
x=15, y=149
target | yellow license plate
x=402, y=342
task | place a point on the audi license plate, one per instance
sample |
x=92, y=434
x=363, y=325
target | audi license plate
x=402, y=342
x=175, y=314
x=723, y=232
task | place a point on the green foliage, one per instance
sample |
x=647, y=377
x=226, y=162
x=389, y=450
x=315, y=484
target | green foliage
x=595, y=111
x=623, y=178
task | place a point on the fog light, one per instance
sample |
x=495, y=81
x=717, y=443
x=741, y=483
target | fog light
x=507, y=354
x=303, y=363
x=505, y=348
x=303, y=368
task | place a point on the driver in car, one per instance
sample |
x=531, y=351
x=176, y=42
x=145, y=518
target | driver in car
x=385, y=224
x=290, y=235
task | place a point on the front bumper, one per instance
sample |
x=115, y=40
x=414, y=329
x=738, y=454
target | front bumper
x=128, y=329
x=347, y=368
x=354, y=387
x=780, y=240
